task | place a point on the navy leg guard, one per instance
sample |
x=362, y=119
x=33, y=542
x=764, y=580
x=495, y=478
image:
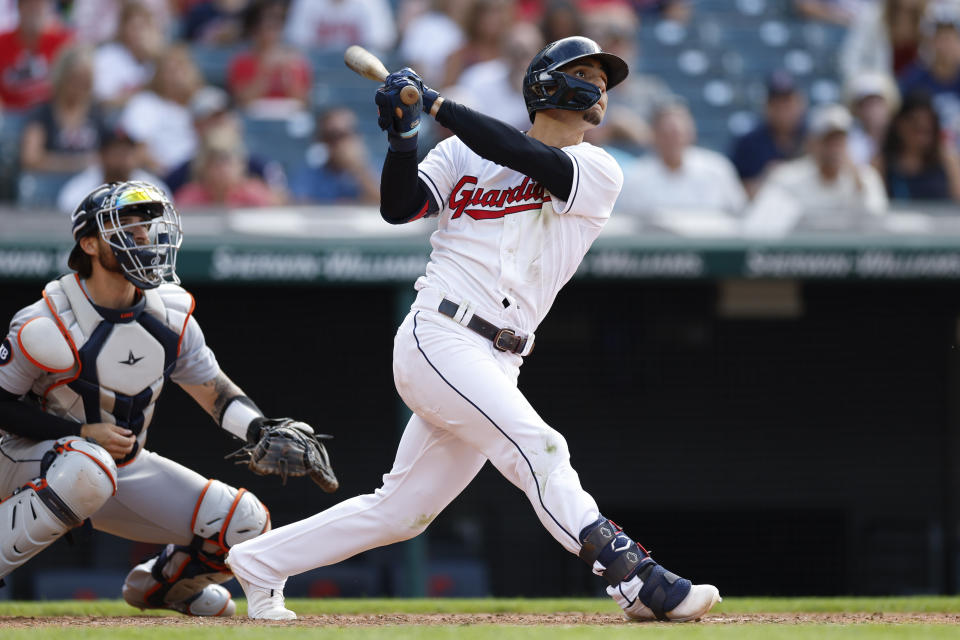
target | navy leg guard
x=623, y=559
x=662, y=590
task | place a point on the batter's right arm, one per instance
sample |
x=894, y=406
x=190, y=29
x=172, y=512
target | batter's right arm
x=403, y=195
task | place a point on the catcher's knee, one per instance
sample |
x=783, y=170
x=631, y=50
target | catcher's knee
x=76, y=478
x=82, y=476
x=225, y=516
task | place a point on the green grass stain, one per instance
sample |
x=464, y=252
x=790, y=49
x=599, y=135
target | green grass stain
x=423, y=520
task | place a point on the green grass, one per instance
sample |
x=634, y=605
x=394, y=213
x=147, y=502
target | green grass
x=915, y=604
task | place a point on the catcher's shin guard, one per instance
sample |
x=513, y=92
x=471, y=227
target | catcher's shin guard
x=225, y=516
x=183, y=577
x=76, y=478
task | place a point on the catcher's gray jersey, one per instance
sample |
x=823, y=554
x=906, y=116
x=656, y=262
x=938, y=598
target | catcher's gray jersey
x=112, y=363
x=112, y=366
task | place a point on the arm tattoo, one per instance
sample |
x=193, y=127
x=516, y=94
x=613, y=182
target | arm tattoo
x=224, y=391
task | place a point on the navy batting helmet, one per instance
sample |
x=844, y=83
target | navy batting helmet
x=570, y=93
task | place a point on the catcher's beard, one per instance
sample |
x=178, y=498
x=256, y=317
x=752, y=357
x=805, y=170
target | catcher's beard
x=106, y=258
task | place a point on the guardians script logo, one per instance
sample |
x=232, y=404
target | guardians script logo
x=527, y=196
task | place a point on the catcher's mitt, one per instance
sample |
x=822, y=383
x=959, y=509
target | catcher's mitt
x=288, y=447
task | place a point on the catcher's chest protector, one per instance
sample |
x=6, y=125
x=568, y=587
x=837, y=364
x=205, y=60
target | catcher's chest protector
x=124, y=355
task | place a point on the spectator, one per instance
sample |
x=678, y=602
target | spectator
x=632, y=103
x=221, y=178
x=495, y=87
x=919, y=161
x=338, y=167
x=116, y=162
x=676, y=10
x=270, y=74
x=679, y=176
x=778, y=137
x=124, y=66
x=9, y=18
x=873, y=99
x=333, y=25
x=27, y=53
x=215, y=22
x=487, y=23
x=561, y=19
x=160, y=115
x=98, y=21
x=431, y=37
x=841, y=12
x=884, y=38
x=939, y=75
x=824, y=185
x=63, y=135
x=210, y=109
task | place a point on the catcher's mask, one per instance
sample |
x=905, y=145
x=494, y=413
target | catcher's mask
x=117, y=212
x=569, y=93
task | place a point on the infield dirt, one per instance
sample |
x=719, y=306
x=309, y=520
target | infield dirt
x=555, y=619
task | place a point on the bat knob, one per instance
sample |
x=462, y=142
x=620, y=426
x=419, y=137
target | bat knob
x=409, y=95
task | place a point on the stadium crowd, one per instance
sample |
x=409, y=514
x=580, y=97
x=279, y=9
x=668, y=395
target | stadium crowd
x=245, y=103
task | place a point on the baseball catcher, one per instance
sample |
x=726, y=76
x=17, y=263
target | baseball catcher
x=516, y=213
x=81, y=371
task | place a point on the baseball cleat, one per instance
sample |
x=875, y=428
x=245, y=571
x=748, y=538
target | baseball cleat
x=213, y=601
x=630, y=595
x=264, y=604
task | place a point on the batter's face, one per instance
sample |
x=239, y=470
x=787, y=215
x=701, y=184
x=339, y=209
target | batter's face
x=592, y=71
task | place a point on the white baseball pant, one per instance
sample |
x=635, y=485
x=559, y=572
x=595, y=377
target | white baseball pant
x=467, y=410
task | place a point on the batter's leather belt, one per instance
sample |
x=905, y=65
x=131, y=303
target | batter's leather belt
x=502, y=339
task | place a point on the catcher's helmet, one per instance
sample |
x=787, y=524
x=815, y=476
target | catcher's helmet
x=571, y=93
x=146, y=265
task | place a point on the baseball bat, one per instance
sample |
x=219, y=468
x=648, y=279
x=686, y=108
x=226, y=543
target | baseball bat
x=369, y=66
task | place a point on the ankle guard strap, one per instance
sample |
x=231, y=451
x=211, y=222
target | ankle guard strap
x=184, y=570
x=662, y=590
x=621, y=558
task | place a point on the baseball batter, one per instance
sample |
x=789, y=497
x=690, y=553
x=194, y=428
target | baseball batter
x=516, y=214
x=80, y=374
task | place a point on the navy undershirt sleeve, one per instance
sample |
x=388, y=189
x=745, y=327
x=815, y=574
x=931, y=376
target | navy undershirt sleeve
x=28, y=420
x=405, y=197
x=499, y=142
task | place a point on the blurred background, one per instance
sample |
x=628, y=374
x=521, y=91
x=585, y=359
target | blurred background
x=755, y=367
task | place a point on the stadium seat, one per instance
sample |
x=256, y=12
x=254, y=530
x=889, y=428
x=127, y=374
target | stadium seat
x=39, y=189
x=11, y=128
x=214, y=62
x=284, y=140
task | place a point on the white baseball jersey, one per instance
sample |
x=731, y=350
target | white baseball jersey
x=502, y=240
